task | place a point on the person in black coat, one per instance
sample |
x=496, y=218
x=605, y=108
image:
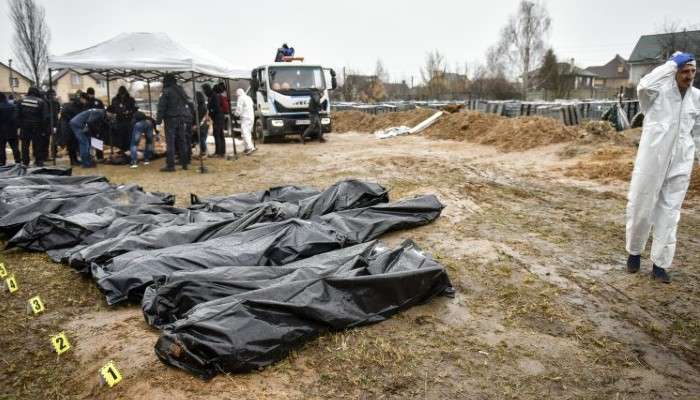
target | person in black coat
x=173, y=109
x=33, y=121
x=216, y=116
x=315, y=107
x=94, y=102
x=124, y=107
x=8, y=130
x=66, y=136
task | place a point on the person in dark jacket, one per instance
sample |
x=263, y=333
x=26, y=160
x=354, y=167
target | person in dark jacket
x=141, y=125
x=216, y=116
x=203, y=124
x=8, y=130
x=315, y=107
x=94, y=102
x=124, y=107
x=174, y=110
x=33, y=120
x=54, y=111
x=66, y=135
x=87, y=124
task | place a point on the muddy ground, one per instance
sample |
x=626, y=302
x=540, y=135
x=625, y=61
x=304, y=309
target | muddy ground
x=544, y=308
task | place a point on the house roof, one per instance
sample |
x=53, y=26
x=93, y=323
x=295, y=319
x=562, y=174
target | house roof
x=650, y=48
x=566, y=69
x=611, y=70
x=14, y=71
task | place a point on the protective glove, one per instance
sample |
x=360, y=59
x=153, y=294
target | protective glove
x=682, y=58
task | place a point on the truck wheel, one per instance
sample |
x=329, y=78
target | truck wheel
x=258, y=131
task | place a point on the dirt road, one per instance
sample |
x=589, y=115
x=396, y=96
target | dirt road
x=544, y=307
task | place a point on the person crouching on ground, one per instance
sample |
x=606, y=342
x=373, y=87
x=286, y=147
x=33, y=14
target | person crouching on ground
x=661, y=175
x=141, y=125
x=244, y=110
x=89, y=123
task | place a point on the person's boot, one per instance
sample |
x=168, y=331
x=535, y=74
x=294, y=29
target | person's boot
x=321, y=139
x=633, y=263
x=658, y=273
x=302, y=138
x=167, y=169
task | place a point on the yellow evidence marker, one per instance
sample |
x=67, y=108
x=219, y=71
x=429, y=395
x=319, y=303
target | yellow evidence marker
x=3, y=271
x=36, y=304
x=60, y=343
x=110, y=374
x=12, y=284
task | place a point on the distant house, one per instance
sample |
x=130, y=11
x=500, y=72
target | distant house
x=66, y=82
x=20, y=83
x=574, y=82
x=397, y=91
x=653, y=50
x=613, y=75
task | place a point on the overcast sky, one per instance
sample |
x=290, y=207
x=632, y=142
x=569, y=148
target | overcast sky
x=355, y=33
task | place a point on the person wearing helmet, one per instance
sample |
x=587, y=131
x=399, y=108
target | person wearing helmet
x=665, y=157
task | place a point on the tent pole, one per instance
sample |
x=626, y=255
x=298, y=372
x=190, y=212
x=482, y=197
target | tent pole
x=195, y=105
x=52, y=137
x=109, y=131
x=150, y=108
x=230, y=118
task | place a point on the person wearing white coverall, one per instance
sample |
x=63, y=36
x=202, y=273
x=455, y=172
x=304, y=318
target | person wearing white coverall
x=671, y=107
x=244, y=110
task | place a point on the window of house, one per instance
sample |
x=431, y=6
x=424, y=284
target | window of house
x=101, y=83
x=620, y=68
x=75, y=79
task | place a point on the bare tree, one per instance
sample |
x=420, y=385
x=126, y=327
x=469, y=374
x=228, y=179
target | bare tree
x=523, y=38
x=381, y=72
x=433, y=73
x=31, y=36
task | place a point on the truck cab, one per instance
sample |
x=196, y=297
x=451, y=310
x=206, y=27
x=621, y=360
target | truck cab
x=281, y=92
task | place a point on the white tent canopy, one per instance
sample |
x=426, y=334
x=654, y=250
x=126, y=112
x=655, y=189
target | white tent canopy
x=146, y=55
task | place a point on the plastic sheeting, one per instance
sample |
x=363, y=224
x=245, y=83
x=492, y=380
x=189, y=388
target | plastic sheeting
x=51, y=231
x=21, y=170
x=274, y=243
x=271, y=312
x=169, y=235
x=34, y=180
x=63, y=201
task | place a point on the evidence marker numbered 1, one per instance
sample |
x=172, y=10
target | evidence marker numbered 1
x=110, y=375
x=11, y=283
x=36, y=305
x=60, y=343
x=3, y=270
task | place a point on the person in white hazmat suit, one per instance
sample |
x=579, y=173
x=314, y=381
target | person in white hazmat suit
x=244, y=110
x=671, y=133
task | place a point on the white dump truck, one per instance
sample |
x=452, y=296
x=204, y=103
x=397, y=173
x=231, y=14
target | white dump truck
x=281, y=94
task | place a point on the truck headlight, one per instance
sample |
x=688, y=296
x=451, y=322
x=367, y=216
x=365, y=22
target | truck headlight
x=277, y=123
x=325, y=121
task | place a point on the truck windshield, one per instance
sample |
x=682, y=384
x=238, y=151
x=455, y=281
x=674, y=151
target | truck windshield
x=296, y=79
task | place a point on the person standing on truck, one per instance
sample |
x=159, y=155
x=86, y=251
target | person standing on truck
x=315, y=107
x=244, y=110
x=665, y=158
x=174, y=110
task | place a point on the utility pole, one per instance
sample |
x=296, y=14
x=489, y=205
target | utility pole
x=12, y=81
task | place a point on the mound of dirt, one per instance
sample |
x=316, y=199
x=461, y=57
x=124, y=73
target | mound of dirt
x=599, y=128
x=506, y=134
x=614, y=163
x=358, y=121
